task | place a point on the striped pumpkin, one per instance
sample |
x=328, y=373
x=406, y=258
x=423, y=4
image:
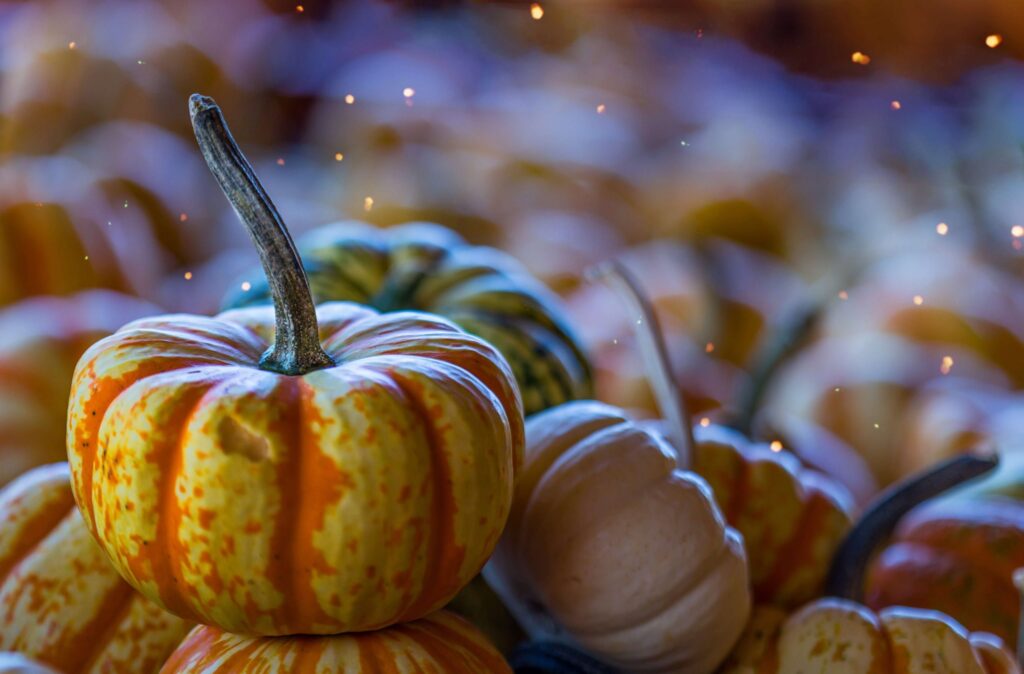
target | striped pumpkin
x=348, y=498
x=441, y=642
x=791, y=518
x=843, y=637
x=61, y=602
x=427, y=267
x=41, y=340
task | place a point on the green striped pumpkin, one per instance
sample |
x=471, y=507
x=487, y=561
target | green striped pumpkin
x=427, y=267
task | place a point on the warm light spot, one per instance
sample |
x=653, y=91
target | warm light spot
x=183, y=217
x=338, y=156
x=860, y=58
x=776, y=445
x=837, y=389
x=246, y=286
x=367, y=203
x=994, y=40
x=600, y=108
x=1017, y=231
x=126, y=203
x=536, y=11
x=843, y=295
x=918, y=300
x=408, y=92
x=86, y=257
x=188, y=276
x=300, y=9
x=942, y=228
x=72, y=44
x=877, y=426
x=141, y=62
x=684, y=143
x=709, y=347
x=350, y=99
x=947, y=364
x=705, y=422
x=895, y=105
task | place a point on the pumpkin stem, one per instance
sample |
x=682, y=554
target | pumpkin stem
x=657, y=364
x=296, y=349
x=846, y=575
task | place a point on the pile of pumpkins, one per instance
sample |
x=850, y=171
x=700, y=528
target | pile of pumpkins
x=392, y=427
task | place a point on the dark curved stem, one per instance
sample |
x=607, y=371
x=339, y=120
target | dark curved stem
x=296, y=349
x=654, y=352
x=846, y=576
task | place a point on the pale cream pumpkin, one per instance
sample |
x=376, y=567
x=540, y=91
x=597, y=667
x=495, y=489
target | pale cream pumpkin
x=14, y=663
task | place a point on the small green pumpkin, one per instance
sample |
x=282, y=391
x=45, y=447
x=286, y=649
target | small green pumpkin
x=427, y=267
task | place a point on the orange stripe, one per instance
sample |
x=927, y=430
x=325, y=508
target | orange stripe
x=441, y=640
x=443, y=557
x=77, y=652
x=793, y=553
x=36, y=529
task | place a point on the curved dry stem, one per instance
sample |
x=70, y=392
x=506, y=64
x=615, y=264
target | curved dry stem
x=296, y=349
x=846, y=575
x=654, y=352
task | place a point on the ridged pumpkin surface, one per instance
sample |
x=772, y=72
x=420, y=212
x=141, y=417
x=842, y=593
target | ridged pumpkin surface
x=441, y=643
x=792, y=519
x=41, y=340
x=629, y=554
x=61, y=601
x=426, y=267
x=955, y=556
x=842, y=637
x=346, y=499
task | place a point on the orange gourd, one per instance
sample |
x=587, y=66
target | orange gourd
x=441, y=642
x=41, y=340
x=292, y=469
x=61, y=602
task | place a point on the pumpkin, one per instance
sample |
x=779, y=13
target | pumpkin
x=61, y=232
x=615, y=545
x=14, y=663
x=61, y=602
x=440, y=642
x=426, y=267
x=293, y=469
x=612, y=545
x=954, y=553
x=41, y=339
x=791, y=518
x=842, y=637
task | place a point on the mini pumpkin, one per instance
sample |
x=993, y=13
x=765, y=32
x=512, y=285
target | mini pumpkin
x=791, y=518
x=61, y=602
x=842, y=637
x=41, y=340
x=615, y=545
x=425, y=267
x=292, y=470
x=954, y=553
x=441, y=642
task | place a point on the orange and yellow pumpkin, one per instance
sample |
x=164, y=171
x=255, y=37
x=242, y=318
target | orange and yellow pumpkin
x=41, y=340
x=440, y=642
x=843, y=637
x=292, y=470
x=61, y=602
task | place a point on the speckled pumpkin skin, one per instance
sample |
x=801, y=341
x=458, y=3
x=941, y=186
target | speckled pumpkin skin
x=842, y=637
x=346, y=499
x=441, y=643
x=61, y=602
x=426, y=267
x=957, y=558
x=612, y=547
x=792, y=519
x=41, y=340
